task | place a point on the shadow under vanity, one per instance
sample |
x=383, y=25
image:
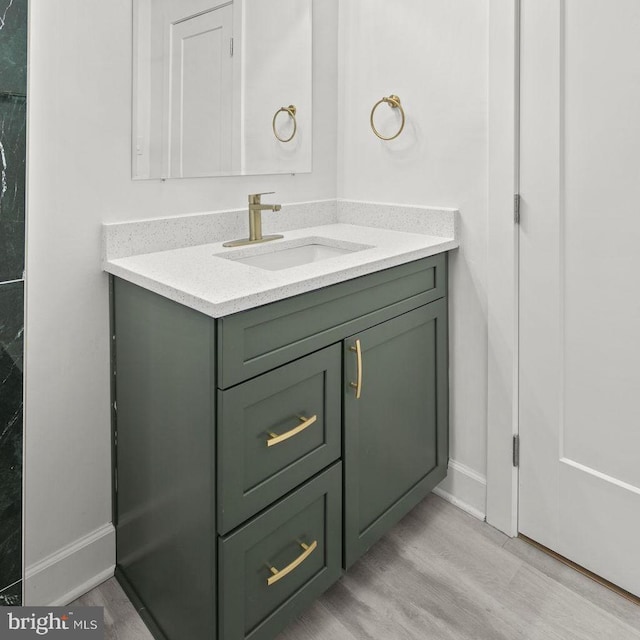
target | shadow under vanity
x=260, y=454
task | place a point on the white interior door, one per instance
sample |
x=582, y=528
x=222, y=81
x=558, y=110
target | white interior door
x=580, y=283
x=201, y=89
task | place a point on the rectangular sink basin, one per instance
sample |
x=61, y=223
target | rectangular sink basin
x=292, y=254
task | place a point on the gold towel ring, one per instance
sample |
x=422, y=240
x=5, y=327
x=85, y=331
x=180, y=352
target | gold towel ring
x=394, y=103
x=291, y=110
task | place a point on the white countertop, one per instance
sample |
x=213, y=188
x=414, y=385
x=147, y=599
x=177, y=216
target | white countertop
x=196, y=277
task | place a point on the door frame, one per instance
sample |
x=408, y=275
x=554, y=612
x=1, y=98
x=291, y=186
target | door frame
x=503, y=264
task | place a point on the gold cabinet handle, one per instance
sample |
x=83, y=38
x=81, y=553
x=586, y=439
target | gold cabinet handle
x=278, y=575
x=357, y=349
x=277, y=439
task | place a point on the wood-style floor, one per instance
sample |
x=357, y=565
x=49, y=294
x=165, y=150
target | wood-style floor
x=440, y=575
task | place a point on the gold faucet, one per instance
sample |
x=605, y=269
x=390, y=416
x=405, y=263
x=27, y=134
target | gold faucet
x=255, y=222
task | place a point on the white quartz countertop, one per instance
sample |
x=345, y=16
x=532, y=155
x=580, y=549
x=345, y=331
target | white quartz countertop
x=196, y=277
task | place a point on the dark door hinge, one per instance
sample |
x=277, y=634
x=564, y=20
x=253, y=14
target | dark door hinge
x=516, y=208
x=231, y=48
x=516, y=451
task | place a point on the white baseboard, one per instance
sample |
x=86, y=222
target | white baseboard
x=70, y=572
x=465, y=488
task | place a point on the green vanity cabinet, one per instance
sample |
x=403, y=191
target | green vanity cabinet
x=258, y=455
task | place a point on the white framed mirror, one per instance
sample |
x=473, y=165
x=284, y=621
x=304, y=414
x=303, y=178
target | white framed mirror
x=221, y=88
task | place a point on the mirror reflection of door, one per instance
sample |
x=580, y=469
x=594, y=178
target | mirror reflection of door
x=199, y=61
x=208, y=77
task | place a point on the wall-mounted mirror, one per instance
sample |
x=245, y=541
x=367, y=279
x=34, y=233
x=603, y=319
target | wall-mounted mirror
x=221, y=87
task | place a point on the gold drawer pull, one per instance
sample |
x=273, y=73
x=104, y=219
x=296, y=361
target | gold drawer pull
x=358, y=385
x=277, y=439
x=278, y=575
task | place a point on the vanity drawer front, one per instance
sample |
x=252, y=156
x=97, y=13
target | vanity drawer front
x=296, y=546
x=266, y=337
x=275, y=432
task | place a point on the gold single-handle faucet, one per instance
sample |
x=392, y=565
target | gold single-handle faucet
x=255, y=221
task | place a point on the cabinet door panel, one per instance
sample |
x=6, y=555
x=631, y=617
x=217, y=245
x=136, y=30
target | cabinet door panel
x=396, y=434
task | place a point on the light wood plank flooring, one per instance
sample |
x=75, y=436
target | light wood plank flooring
x=440, y=575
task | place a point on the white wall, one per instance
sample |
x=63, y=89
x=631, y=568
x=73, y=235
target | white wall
x=79, y=177
x=434, y=56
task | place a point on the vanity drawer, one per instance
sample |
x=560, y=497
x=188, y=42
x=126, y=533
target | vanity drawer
x=275, y=432
x=271, y=569
x=266, y=337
